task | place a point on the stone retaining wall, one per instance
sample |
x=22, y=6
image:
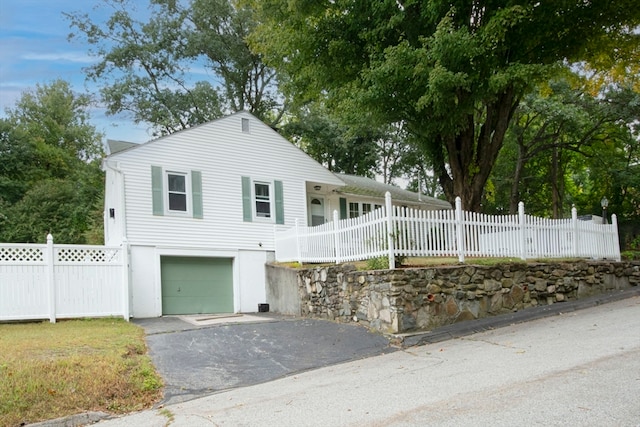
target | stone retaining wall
x=403, y=300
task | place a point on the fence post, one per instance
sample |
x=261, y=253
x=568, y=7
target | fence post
x=574, y=226
x=298, y=249
x=459, y=229
x=336, y=235
x=51, y=283
x=523, y=236
x=125, y=279
x=616, y=241
x=390, y=232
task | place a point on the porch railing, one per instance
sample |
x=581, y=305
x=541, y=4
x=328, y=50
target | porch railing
x=393, y=231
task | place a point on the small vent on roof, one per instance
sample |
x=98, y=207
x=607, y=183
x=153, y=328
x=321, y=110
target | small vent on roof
x=245, y=125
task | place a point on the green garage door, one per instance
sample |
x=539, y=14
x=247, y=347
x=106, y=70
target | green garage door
x=193, y=285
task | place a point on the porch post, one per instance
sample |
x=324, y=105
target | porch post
x=51, y=283
x=390, y=232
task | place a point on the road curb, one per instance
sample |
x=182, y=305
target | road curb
x=462, y=329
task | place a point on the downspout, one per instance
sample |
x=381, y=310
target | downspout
x=121, y=187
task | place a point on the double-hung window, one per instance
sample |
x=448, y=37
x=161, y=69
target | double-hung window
x=354, y=210
x=177, y=192
x=262, y=199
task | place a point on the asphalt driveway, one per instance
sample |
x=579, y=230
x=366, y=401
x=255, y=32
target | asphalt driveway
x=201, y=357
x=197, y=360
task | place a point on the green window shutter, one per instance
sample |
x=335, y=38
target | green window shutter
x=343, y=208
x=156, y=190
x=196, y=193
x=277, y=185
x=246, y=199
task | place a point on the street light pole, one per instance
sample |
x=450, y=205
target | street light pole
x=604, y=203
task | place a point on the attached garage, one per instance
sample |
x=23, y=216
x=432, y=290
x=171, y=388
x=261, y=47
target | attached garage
x=196, y=285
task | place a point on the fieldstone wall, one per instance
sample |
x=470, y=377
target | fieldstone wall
x=403, y=300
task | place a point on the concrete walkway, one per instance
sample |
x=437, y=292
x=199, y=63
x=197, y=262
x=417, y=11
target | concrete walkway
x=571, y=368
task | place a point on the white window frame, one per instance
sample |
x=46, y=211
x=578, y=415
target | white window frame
x=271, y=200
x=360, y=208
x=188, y=194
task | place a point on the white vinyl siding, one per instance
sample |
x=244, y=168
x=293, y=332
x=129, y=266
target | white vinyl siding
x=223, y=154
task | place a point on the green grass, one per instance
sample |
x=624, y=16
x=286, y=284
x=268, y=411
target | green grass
x=49, y=370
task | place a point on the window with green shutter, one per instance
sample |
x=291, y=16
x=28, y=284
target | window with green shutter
x=262, y=200
x=176, y=193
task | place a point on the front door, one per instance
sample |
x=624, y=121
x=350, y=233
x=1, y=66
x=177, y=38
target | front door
x=316, y=210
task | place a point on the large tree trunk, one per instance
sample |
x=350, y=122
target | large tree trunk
x=471, y=157
x=557, y=183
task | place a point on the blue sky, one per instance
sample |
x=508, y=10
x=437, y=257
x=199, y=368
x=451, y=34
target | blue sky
x=34, y=50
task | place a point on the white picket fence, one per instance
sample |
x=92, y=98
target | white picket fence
x=47, y=281
x=446, y=233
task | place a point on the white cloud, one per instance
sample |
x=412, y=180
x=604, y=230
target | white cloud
x=79, y=57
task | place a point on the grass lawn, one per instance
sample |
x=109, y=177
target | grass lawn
x=53, y=370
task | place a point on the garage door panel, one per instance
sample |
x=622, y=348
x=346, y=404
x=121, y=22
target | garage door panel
x=192, y=285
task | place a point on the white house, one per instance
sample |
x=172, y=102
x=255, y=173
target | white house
x=199, y=209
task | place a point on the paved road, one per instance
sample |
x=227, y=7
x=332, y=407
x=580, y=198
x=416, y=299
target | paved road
x=578, y=368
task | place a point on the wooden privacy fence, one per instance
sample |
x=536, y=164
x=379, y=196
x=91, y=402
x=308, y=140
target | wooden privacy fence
x=63, y=281
x=393, y=231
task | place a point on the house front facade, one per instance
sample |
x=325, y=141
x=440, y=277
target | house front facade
x=199, y=209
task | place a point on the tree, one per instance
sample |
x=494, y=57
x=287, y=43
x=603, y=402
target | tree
x=566, y=147
x=453, y=71
x=147, y=62
x=551, y=123
x=50, y=177
x=334, y=144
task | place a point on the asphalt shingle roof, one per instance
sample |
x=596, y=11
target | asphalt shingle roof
x=367, y=187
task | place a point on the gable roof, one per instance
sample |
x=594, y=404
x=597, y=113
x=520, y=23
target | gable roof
x=367, y=187
x=232, y=148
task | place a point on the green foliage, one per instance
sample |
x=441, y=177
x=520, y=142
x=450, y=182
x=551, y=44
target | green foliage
x=335, y=145
x=380, y=263
x=568, y=147
x=50, y=177
x=145, y=67
x=454, y=73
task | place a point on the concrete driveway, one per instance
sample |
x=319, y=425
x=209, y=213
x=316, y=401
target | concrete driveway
x=198, y=356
